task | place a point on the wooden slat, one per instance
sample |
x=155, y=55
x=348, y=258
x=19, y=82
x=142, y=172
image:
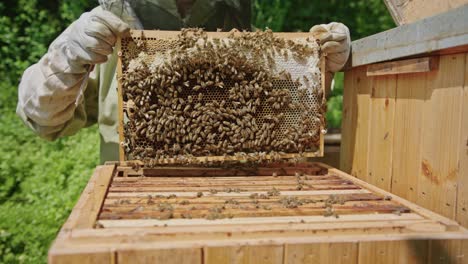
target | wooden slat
x=406, y=156
x=234, y=194
x=265, y=221
x=304, y=211
x=360, y=163
x=440, y=136
x=452, y=225
x=227, y=182
x=348, y=125
x=321, y=253
x=393, y=252
x=120, y=99
x=269, y=254
x=76, y=257
x=241, y=199
x=462, y=181
x=226, y=179
x=85, y=212
x=249, y=210
x=234, y=171
x=381, y=138
x=166, y=256
x=168, y=34
x=417, y=65
x=288, y=187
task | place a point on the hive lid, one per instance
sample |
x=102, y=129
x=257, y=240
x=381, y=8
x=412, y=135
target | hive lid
x=406, y=12
x=270, y=107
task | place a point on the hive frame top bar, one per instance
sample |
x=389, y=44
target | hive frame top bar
x=166, y=34
x=149, y=35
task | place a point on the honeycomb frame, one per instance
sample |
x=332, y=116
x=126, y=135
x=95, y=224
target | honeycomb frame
x=142, y=39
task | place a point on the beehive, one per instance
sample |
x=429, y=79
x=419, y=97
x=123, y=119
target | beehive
x=206, y=96
x=405, y=120
x=249, y=215
x=274, y=212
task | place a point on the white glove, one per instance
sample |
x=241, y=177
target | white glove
x=336, y=43
x=49, y=89
x=92, y=37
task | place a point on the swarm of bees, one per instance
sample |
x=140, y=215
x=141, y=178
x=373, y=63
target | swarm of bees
x=222, y=96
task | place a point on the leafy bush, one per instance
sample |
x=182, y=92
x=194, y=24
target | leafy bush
x=39, y=181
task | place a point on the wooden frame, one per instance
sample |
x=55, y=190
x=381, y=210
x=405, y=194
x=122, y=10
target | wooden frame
x=418, y=235
x=155, y=34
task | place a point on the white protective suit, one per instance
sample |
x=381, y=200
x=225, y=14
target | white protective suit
x=74, y=84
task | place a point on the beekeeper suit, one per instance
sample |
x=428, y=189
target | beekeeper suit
x=74, y=84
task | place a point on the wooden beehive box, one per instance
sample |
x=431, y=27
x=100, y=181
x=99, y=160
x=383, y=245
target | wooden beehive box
x=233, y=216
x=405, y=112
x=273, y=213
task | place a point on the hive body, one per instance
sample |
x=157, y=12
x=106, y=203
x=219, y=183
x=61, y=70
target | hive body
x=249, y=215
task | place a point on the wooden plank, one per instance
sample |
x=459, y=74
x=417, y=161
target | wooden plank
x=360, y=167
x=448, y=251
x=451, y=225
x=259, y=220
x=245, y=199
x=408, y=11
x=406, y=157
x=326, y=185
x=136, y=34
x=393, y=252
x=81, y=258
x=321, y=253
x=85, y=212
x=440, y=152
x=233, y=171
x=348, y=124
x=380, y=153
x=425, y=64
x=274, y=209
x=462, y=181
x=234, y=194
x=269, y=254
x=166, y=256
x=120, y=99
x=444, y=31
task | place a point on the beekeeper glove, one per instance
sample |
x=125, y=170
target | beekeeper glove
x=336, y=43
x=49, y=89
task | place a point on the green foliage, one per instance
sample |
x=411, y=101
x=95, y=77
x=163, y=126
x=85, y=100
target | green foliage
x=39, y=181
x=39, y=185
x=270, y=14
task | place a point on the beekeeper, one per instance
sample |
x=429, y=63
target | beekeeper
x=74, y=84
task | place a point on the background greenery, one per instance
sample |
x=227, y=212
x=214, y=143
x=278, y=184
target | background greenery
x=40, y=181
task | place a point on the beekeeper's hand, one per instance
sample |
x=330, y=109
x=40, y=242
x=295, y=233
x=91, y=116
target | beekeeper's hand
x=50, y=94
x=336, y=43
x=93, y=36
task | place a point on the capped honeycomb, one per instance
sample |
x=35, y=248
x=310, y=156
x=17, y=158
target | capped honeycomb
x=194, y=96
